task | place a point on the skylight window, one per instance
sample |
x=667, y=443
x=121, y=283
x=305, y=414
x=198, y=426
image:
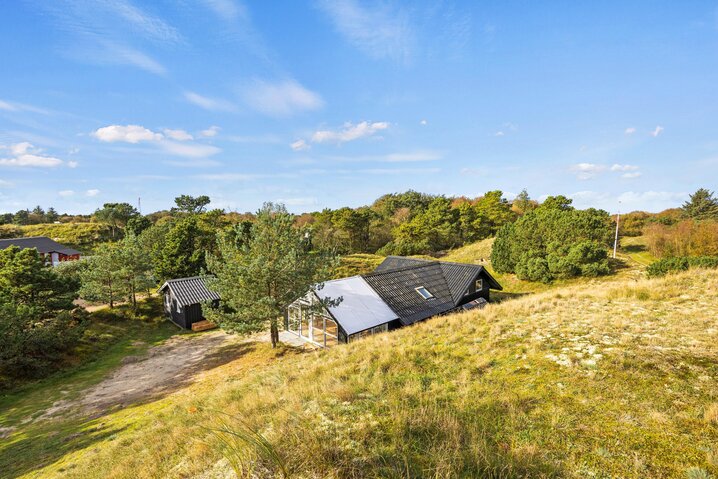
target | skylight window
x=424, y=293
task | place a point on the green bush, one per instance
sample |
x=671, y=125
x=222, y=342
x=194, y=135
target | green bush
x=683, y=263
x=554, y=241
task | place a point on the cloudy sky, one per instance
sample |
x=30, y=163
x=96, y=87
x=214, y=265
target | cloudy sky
x=329, y=103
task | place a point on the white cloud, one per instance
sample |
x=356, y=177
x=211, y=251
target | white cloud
x=128, y=134
x=226, y=9
x=72, y=164
x=350, y=132
x=631, y=175
x=586, y=171
x=142, y=22
x=281, y=99
x=66, y=193
x=657, y=131
x=25, y=154
x=423, y=122
x=121, y=54
x=12, y=106
x=191, y=150
x=379, y=32
x=92, y=192
x=499, y=133
x=5, y=184
x=211, y=104
x=299, y=145
x=617, y=167
x=135, y=134
x=179, y=135
x=630, y=130
x=7, y=106
x=210, y=132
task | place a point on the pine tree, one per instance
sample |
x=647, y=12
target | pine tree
x=702, y=205
x=257, y=279
x=102, y=278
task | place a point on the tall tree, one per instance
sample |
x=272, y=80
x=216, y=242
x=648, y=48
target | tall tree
x=191, y=204
x=137, y=224
x=523, y=203
x=22, y=217
x=136, y=267
x=702, y=205
x=102, y=278
x=183, y=250
x=259, y=277
x=51, y=215
x=116, y=215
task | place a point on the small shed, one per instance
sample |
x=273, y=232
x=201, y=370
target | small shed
x=183, y=298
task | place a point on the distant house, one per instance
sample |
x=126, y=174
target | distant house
x=53, y=251
x=183, y=300
x=400, y=292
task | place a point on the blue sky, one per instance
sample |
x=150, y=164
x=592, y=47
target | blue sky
x=333, y=103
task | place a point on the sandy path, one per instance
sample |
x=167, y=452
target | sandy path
x=165, y=368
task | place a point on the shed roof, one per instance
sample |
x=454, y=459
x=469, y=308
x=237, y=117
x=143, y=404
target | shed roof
x=360, y=307
x=189, y=291
x=43, y=244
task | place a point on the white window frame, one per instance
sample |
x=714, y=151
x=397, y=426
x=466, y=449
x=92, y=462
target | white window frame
x=422, y=288
x=479, y=284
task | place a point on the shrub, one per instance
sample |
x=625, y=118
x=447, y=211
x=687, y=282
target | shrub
x=554, y=241
x=674, y=264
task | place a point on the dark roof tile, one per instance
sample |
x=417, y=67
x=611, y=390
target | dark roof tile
x=190, y=290
x=43, y=244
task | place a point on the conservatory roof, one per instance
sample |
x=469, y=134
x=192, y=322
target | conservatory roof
x=360, y=307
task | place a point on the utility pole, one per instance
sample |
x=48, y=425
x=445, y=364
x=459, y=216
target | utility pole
x=615, y=240
x=139, y=204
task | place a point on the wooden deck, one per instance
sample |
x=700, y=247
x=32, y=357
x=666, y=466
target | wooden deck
x=203, y=326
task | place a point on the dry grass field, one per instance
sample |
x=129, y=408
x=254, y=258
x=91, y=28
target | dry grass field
x=604, y=379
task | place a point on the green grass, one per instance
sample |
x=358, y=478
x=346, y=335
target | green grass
x=358, y=263
x=109, y=338
x=578, y=381
x=636, y=249
x=83, y=236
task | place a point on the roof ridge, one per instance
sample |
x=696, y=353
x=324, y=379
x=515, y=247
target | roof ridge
x=184, y=279
x=403, y=268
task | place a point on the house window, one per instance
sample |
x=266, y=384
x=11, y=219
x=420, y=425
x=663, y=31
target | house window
x=424, y=293
x=479, y=284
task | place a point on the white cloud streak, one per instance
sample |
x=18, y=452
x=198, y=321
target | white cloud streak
x=657, y=131
x=178, y=135
x=378, y=31
x=210, y=132
x=208, y=103
x=281, y=99
x=350, y=132
x=299, y=145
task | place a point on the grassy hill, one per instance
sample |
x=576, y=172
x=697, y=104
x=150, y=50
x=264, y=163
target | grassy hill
x=592, y=380
x=83, y=236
